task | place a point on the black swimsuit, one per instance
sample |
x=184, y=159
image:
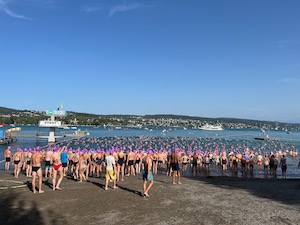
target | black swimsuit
x=35, y=168
x=121, y=161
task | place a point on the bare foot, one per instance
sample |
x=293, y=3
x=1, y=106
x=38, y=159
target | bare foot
x=41, y=192
x=179, y=183
x=115, y=187
x=58, y=188
x=106, y=189
x=146, y=194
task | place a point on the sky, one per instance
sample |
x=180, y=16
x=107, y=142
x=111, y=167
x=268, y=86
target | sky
x=207, y=58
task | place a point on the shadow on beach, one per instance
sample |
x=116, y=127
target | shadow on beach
x=284, y=191
x=14, y=210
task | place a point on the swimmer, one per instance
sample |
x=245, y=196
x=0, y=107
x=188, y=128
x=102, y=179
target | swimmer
x=185, y=161
x=17, y=165
x=283, y=166
x=121, y=165
x=154, y=162
x=99, y=162
x=57, y=168
x=36, y=170
x=224, y=162
x=8, y=157
x=147, y=174
x=64, y=161
x=28, y=164
x=137, y=162
x=82, y=167
x=175, y=162
x=130, y=163
x=48, y=165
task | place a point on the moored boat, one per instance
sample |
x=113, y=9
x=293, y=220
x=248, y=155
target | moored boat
x=211, y=127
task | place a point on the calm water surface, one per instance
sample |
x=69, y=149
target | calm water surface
x=231, y=137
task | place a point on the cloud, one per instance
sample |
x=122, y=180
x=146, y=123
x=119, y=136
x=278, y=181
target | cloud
x=290, y=81
x=88, y=9
x=123, y=8
x=4, y=8
x=286, y=43
x=289, y=42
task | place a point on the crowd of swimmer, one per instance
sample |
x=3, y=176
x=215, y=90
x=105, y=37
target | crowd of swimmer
x=84, y=158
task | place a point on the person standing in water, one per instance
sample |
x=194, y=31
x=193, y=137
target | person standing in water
x=283, y=166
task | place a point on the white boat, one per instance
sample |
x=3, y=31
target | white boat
x=118, y=128
x=211, y=127
x=65, y=127
x=164, y=132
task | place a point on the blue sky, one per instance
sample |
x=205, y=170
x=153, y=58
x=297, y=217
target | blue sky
x=216, y=58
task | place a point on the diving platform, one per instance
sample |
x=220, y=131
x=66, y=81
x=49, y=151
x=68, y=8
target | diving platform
x=52, y=123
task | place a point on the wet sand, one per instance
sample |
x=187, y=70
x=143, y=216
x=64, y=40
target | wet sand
x=202, y=200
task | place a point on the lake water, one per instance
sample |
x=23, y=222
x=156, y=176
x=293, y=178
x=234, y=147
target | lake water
x=231, y=137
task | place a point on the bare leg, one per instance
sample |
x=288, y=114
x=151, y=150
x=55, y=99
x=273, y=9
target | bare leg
x=87, y=172
x=144, y=186
x=33, y=182
x=179, y=176
x=174, y=176
x=118, y=172
x=132, y=170
x=40, y=175
x=15, y=170
x=98, y=170
x=122, y=172
x=18, y=170
x=115, y=184
x=106, y=184
x=76, y=172
x=54, y=179
x=61, y=176
x=149, y=187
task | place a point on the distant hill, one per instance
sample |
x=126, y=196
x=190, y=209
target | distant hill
x=4, y=110
x=221, y=119
x=84, y=116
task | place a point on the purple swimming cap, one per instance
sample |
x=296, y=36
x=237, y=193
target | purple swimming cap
x=150, y=152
